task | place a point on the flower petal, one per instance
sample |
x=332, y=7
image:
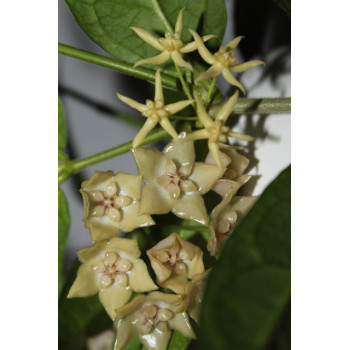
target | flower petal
x=114, y=297
x=158, y=95
x=128, y=246
x=146, y=128
x=180, y=151
x=158, y=339
x=102, y=228
x=202, y=114
x=239, y=136
x=129, y=184
x=203, y=51
x=156, y=60
x=182, y=324
x=214, y=150
x=190, y=206
x=205, y=176
x=125, y=332
x=133, y=219
x=242, y=204
x=178, y=25
x=232, y=80
x=149, y=38
x=212, y=72
x=245, y=66
x=176, y=283
x=177, y=106
x=198, y=135
x=167, y=126
x=227, y=108
x=193, y=45
x=150, y=163
x=132, y=103
x=177, y=58
x=223, y=186
x=139, y=278
x=234, y=43
x=154, y=200
x=85, y=284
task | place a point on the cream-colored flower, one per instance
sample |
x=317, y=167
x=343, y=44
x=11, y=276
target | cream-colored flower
x=171, y=45
x=112, y=203
x=224, y=61
x=155, y=112
x=174, y=182
x=225, y=216
x=113, y=270
x=193, y=296
x=151, y=317
x=235, y=164
x=174, y=260
x=215, y=130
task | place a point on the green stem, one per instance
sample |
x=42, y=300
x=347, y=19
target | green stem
x=184, y=84
x=127, y=68
x=258, y=106
x=177, y=117
x=196, y=228
x=162, y=17
x=210, y=91
x=71, y=167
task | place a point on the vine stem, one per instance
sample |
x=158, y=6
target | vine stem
x=69, y=168
x=210, y=91
x=127, y=68
x=162, y=16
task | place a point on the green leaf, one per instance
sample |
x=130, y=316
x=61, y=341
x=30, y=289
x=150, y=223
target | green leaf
x=248, y=291
x=79, y=318
x=108, y=22
x=63, y=228
x=178, y=341
x=285, y=5
x=62, y=132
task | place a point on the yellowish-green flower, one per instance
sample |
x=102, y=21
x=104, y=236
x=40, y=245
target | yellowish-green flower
x=151, y=317
x=235, y=164
x=174, y=182
x=112, y=203
x=175, y=260
x=113, y=270
x=171, y=45
x=193, y=295
x=155, y=111
x=225, y=216
x=215, y=130
x=224, y=61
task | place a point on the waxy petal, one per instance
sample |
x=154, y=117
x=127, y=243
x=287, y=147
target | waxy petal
x=154, y=201
x=167, y=126
x=176, y=283
x=198, y=135
x=192, y=46
x=245, y=66
x=180, y=151
x=125, y=331
x=234, y=43
x=212, y=72
x=150, y=163
x=156, y=60
x=85, y=284
x=139, y=278
x=203, y=51
x=128, y=246
x=178, y=25
x=214, y=150
x=240, y=136
x=227, y=108
x=182, y=324
x=177, y=106
x=146, y=128
x=157, y=339
x=177, y=58
x=232, y=80
x=158, y=95
x=132, y=103
x=150, y=39
x=204, y=117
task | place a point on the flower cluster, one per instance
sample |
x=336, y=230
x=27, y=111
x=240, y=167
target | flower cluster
x=168, y=181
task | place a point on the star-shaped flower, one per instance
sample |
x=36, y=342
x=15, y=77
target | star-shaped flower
x=151, y=317
x=225, y=216
x=171, y=45
x=112, y=203
x=155, y=112
x=235, y=164
x=113, y=270
x=215, y=130
x=174, y=260
x=224, y=61
x=174, y=182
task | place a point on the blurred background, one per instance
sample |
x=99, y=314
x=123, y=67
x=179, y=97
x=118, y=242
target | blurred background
x=88, y=94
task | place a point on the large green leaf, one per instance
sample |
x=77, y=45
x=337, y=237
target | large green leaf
x=63, y=228
x=248, y=295
x=62, y=133
x=108, y=22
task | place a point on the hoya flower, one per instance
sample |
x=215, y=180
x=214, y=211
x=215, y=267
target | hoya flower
x=113, y=270
x=215, y=130
x=235, y=164
x=171, y=45
x=155, y=112
x=193, y=296
x=151, y=317
x=225, y=216
x=111, y=203
x=174, y=182
x=174, y=260
x=224, y=61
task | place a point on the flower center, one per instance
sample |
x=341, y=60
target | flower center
x=175, y=181
x=155, y=110
x=226, y=57
x=108, y=202
x=171, y=42
x=174, y=260
x=154, y=316
x=112, y=268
